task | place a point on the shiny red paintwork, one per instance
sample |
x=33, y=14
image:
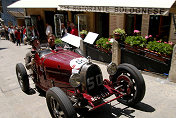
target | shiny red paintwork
x=54, y=66
x=53, y=69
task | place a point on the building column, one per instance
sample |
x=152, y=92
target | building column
x=116, y=21
x=172, y=35
x=116, y=53
x=145, y=25
x=172, y=72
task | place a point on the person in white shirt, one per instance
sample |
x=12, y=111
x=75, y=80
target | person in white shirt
x=48, y=29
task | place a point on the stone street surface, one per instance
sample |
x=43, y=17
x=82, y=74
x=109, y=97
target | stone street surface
x=159, y=100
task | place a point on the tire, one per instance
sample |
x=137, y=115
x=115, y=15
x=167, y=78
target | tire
x=22, y=77
x=80, y=52
x=59, y=104
x=131, y=82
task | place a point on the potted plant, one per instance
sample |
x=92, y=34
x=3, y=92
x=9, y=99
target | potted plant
x=119, y=34
x=83, y=34
x=104, y=44
x=134, y=43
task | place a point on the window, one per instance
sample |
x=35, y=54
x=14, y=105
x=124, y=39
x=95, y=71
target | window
x=159, y=26
x=133, y=22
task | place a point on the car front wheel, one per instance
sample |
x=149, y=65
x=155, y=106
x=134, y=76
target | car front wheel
x=59, y=104
x=22, y=77
x=129, y=81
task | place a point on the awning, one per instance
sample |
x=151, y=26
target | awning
x=17, y=14
x=34, y=4
x=153, y=7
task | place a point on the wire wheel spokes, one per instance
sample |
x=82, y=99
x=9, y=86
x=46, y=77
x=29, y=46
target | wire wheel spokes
x=127, y=84
x=20, y=79
x=57, y=111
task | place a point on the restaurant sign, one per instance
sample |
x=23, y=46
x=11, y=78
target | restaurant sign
x=110, y=9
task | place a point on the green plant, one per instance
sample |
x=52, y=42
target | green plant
x=58, y=40
x=119, y=34
x=104, y=43
x=136, y=41
x=83, y=32
x=161, y=48
x=119, y=31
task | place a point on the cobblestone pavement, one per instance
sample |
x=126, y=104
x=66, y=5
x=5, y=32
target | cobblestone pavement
x=159, y=100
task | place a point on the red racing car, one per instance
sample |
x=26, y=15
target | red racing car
x=72, y=81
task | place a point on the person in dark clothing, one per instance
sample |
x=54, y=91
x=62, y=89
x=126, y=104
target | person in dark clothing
x=68, y=27
x=18, y=36
x=29, y=59
x=63, y=30
x=40, y=27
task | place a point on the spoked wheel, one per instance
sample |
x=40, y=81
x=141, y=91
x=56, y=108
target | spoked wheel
x=22, y=77
x=56, y=109
x=129, y=81
x=59, y=104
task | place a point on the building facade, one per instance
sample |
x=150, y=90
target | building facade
x=147, y=20
x=11, y=16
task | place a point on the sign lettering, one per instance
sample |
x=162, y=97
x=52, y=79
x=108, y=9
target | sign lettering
x=109, y=9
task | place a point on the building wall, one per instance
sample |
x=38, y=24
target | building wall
x=172, y=28
x=39, y=11
x=8, y=18
x=145, y=25
x=116, y=21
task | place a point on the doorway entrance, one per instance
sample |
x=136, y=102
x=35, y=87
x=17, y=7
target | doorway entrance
x=102, y=24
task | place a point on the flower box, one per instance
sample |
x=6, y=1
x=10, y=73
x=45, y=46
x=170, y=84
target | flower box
x=157, y=56
x=133, y=48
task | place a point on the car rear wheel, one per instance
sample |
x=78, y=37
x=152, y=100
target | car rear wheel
x=129, y=81
x=22, y=77
x=59, y=104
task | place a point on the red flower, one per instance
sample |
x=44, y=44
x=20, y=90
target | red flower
x=136, y=31
x=150, y=36
x=170, y=43
x=146, y=37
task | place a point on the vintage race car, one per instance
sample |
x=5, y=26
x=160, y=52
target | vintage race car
x=73, y=82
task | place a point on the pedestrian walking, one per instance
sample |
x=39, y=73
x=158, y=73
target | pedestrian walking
x=24, y=36
x=6, y=33
x=18, y=36
x=12, y=36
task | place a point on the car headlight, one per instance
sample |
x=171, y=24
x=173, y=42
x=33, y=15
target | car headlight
x=112, y=68
x=75, y=80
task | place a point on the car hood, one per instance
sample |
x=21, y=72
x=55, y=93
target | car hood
x=64, y=60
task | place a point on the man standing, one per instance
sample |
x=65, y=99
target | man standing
x=40, y=28
x=63, y=30
x=48, y=29
x=18, y=36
